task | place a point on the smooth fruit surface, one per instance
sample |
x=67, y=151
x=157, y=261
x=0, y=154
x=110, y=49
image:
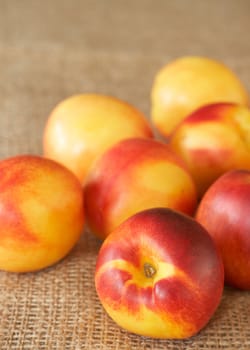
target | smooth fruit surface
x=133, y=175
x=159, y=274
x=224, y=212
x=41, y=213
x=188, y=83
x=213, y=140
x=82, y=127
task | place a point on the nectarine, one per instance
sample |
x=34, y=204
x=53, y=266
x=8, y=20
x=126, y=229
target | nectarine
x=81, y=127
x=212, y=140
x=188, y=83
x=224, y=212
x=159, y=274
x=133, y=175
x=41, y=213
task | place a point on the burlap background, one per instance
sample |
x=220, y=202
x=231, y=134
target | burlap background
x=52, y=49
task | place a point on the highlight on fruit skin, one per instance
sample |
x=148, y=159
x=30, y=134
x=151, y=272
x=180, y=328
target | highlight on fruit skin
x=133, y=175
x=187, y=83
x=41, y=213
x=212, y=140
x=81, y=127
x=159, y=275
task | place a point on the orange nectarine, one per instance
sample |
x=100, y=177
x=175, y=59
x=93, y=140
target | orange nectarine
x=41, y=213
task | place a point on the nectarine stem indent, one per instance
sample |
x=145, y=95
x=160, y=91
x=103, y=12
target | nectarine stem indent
x=149, y=270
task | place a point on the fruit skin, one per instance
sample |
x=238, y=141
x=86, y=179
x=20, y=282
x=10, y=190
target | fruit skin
x=81, y=127
x=159, y=275
x=188, y=83
x=41, y=213
x=213, y=140
x=133, y=175
x=224, y=212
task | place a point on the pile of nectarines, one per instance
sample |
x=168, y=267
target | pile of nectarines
x=172, y=212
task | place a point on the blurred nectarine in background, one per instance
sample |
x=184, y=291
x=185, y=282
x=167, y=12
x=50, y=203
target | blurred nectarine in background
x=188, y=83
x=212, y=140
x=82, y=127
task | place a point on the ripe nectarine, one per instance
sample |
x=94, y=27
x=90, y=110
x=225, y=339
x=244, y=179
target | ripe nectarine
x=82, y=127
x=159, y=274
x=133, y=175
x=188, y=83
x=212, y=140
x=41, y=213
x=224, y=212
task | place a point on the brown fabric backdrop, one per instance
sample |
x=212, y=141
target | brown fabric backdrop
x=52, y=49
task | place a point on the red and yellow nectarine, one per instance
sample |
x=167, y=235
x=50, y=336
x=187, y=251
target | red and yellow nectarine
x=133, y=175
x=41, y=213
x=212, y=140
x=158, y=274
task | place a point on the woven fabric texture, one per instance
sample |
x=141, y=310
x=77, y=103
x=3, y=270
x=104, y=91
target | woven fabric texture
x=50, y=50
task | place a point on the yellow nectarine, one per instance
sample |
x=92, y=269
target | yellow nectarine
x=82, y=127
x=186, y=84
